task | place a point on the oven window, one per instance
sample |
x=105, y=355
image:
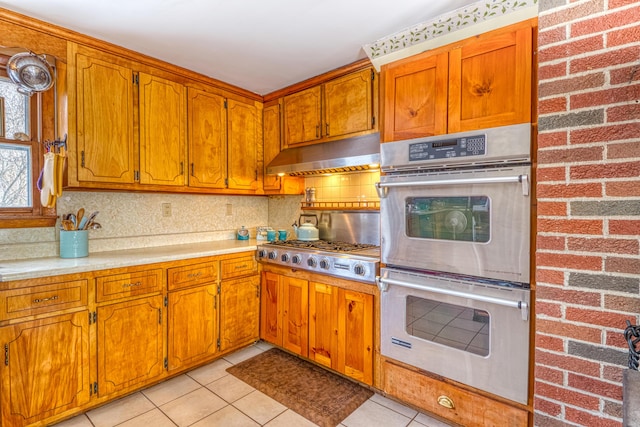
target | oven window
x=455, y=326
x=449, y=218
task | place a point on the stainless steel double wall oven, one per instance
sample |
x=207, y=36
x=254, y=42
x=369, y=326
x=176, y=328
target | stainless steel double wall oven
x=455, y=238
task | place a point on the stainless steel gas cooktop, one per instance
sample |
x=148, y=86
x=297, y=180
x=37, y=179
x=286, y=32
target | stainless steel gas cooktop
x=354, y=261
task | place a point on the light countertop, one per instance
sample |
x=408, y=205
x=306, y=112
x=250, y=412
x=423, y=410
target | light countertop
x=53, y=266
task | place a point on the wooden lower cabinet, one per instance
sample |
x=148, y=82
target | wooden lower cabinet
x=448, y=401
x=192, y=325
x=239, y=312
x=131, y=344
x=46, y=368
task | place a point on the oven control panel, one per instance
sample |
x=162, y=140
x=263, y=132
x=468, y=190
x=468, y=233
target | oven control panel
x=473, y=145
x=351, y=266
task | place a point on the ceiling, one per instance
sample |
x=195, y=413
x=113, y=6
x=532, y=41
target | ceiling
x=258, y=45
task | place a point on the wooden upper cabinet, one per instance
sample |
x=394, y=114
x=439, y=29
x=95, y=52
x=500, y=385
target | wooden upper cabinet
x=491, y=80
x=415, y=97
x=207, y=139
x=271, y=137
x=162, y=113
x=104, y=120
x=302, y=119
x=348, y=104
x=244, y=127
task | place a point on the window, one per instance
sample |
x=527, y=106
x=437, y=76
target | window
x=21, y=154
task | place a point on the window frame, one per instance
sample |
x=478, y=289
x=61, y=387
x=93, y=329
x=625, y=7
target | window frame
x=41, y=106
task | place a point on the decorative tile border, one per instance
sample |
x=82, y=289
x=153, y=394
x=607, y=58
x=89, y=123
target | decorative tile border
x=445, y=24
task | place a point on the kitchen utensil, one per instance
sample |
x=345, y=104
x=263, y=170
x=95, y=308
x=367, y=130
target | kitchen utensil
x=72, y=218
x=307, y=231
x=243, y=234
x=79, y=217
x=94, y=226
x=92, y=216
x=271, y=235
x=282, y=234
x=32, y=73
x=74, y=243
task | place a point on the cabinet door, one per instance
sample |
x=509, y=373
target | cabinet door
x=348, y=104
x=302, y=116
x=104, y=115
x=295, y=315
x=207, y=139
x=271, y=308
x=271, y=136
x=46, y=368
x=244, y=142
x=130, y=344
x=355, y=335
x=193, y=325
x=323, y=324
x=491, y=81
x=239, y=312
x=162, y=131
x=415, y=97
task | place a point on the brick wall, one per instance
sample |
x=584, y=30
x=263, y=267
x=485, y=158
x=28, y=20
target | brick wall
x=588, y=247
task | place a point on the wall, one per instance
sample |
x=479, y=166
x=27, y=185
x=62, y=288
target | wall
x=588, y=268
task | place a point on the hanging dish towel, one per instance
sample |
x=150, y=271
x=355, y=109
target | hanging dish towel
x=48, y=190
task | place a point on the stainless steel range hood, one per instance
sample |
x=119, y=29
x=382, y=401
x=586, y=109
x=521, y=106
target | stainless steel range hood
x=344, y=155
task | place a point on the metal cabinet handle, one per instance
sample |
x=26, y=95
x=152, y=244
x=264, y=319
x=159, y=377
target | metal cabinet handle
x=194, y=275
x=326, y=127
x=130, y=285
x=446, y=402
x=381, y=187
x=39, y=300
x=238, y=267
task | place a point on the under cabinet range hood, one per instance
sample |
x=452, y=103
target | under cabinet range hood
x=344, y=155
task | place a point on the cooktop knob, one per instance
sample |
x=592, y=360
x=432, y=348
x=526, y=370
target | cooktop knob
x=272, y=255
x=312, y=262
x=325, y=264
x=285, y=257
x=296, y=259
x=359, y=269
x=262, y=253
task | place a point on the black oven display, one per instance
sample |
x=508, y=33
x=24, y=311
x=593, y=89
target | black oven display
x=465, y=219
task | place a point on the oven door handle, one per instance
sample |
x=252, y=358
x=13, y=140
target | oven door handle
x=381, y=187
x=383, y=285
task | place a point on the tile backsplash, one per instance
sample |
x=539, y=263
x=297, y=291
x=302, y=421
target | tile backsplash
x=353, y=187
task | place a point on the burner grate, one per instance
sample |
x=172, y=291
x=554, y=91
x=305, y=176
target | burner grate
x=325, y=245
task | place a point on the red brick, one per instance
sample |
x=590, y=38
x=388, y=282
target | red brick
x=570, y=84
x=624, y=150
x=614, y=246
x=547, y=342
x=622, y=265
x=605, y=133
x=567, y=363
x=571, y=154
x=567, y=191
x=595, y=317
x=570, y=14
x=568, y=330
x=553, y=35
x=552, y=71
x=571, y=48
x=613, y=373
x=588, y=418
x=622, y=188
x=548, y=309
x=607, y=59
x=569, y=295
x=622, y=303
x=575, y=262
x=547, y=407
x=553, y=105
x=551, y=277
x=616, y=339
x=624, y=75
x=595, y=386
x=604, y=23
x=609, y=170
x=553, y=173
x=552, y=139
x=624, y=227
x=550, y=243
x=605, y=97
x=614, y=4
x=567, y=396
x=571, y=226
x=623, y=36
x=549, y=375
x=552, y=209
x=624, y=113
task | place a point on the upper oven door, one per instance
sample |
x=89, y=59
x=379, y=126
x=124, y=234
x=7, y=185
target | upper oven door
x=473, y=222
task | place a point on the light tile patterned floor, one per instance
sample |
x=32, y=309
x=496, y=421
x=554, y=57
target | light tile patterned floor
x=208, y=396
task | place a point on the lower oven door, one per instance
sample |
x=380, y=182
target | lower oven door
x=472, y=222
x=470, y=332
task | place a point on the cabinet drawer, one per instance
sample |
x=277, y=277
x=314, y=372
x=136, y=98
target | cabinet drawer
x=241, y=266
x=128, y=284
x=194, y=274
x=448, y=401
x=34, y=300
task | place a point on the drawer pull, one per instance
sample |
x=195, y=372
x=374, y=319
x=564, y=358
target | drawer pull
x=131, y=285
x=194, y=275
x=446, y=402
x=53, y=298
x=238, y=267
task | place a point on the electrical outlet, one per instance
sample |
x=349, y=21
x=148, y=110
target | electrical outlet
x=166, y=209
x=229, y=209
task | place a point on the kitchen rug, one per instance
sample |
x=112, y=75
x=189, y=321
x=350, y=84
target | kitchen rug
x=313, y=392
